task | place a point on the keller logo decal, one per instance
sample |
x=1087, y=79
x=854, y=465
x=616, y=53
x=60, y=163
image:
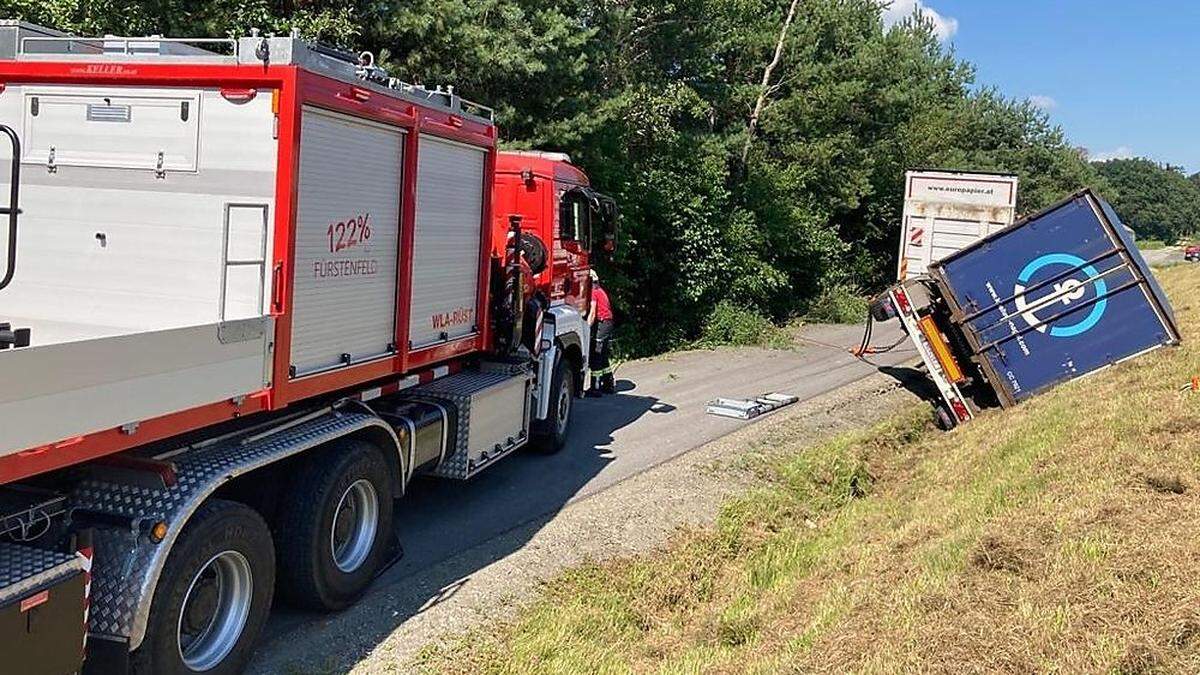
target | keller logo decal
x=1063, y=292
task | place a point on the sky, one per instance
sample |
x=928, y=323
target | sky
x=1120, y=77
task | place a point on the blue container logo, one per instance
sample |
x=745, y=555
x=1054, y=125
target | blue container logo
x=1064, y=292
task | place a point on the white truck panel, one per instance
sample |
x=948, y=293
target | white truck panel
x=446, y=249
x=76, y=388
x=946, y=211
x=344, y=301
x=125, y=272
x=125, y=247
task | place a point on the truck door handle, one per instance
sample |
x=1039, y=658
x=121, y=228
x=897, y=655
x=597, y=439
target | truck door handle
x=277, y=289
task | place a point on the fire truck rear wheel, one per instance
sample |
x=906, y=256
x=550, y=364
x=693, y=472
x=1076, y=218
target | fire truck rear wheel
x=214, y=594
x=335, y=526
x=550, y=435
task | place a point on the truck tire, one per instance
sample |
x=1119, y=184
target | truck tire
x=550, y=435
x=213, y=596
x=943, y=418
x=335, y=525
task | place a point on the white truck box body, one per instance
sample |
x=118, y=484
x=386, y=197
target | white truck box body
x=347, y=237
x=129, y=261
x=945, y=211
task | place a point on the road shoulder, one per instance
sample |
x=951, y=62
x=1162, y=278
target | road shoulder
x=390, y=627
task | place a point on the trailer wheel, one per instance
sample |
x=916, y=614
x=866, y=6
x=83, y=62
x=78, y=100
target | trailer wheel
x=550, y=435
x=214, y=594
x=943, y=418
x=335, y=526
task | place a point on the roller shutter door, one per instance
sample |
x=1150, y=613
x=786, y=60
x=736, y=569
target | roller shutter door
x=347, y=234
x=449, y=222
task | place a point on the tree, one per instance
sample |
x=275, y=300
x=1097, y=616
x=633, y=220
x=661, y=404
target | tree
x=1156, y=200
x=653, y=97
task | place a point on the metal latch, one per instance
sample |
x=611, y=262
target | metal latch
x=159, y=171
x=50, y=165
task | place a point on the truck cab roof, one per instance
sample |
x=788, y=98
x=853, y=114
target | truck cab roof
x=553, y=165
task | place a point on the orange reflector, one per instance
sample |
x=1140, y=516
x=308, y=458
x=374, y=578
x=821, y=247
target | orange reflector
x=941, y=350
x=35, y=600
x=158, y=532
x=275, y=101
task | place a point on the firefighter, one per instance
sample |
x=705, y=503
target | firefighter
x=600, y=318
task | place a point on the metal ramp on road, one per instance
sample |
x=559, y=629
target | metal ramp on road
x=749, y=408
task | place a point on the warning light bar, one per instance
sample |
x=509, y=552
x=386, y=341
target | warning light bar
x=941, y=350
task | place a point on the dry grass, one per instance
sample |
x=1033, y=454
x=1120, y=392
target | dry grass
x=1058, y=536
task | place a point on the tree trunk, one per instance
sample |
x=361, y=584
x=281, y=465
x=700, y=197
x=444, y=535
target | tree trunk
x=766, y=79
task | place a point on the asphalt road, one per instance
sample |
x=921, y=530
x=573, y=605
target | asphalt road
x=657, y=414
x=1161, y=257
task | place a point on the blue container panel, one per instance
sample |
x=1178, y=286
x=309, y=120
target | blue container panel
x=1057, y=296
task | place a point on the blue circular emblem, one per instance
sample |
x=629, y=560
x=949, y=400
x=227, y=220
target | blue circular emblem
x=1093, y=276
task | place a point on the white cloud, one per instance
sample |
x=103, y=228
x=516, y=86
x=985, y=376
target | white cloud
x=1044, y=102
x=1120, y=152
x=944, y=27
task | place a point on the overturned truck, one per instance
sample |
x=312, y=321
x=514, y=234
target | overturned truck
x=1054, y=297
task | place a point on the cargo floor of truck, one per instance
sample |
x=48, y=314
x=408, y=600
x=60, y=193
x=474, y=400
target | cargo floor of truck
x=50, y=332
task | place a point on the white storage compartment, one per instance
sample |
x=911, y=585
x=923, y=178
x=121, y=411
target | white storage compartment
x=111, y=128
x=446, y=250
x=347, y=235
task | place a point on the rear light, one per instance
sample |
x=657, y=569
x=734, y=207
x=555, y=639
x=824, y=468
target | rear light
x=882, y=308
x=941, y=350
x=238, y=95
x=960, y=410
x=902, y=300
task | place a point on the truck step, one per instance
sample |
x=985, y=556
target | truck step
x=42, y=609
x=491, y=412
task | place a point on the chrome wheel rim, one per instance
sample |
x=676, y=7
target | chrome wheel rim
x=564, y=407
x=355, y=524
x=214, y=610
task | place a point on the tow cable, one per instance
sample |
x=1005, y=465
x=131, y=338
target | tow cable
x=865, y=348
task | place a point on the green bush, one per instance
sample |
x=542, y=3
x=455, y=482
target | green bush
x=839, y=303
x=734, y=325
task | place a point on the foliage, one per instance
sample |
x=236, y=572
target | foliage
x=1156, y=200
x=838, y=303
x=731, y=324
x=653, y=99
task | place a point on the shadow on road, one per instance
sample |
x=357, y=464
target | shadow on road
x=914, y=380
x=501, y=509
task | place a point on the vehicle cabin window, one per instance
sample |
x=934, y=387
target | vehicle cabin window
x=575, y=218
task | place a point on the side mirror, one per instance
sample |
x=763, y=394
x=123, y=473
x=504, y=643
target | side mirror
x=609, y=216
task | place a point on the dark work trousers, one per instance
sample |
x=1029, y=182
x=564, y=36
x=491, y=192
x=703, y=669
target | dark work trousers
x=601, y=355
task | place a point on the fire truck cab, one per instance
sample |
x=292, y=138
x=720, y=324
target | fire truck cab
x=566, y=225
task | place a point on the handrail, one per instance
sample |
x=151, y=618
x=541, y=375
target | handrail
x=101, y=44
x=12, y=210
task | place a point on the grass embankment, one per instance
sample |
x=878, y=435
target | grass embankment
x=1061, y=535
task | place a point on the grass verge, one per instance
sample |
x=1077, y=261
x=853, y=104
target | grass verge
x=1060, y=535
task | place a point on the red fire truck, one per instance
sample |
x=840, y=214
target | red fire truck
x=250, y=289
